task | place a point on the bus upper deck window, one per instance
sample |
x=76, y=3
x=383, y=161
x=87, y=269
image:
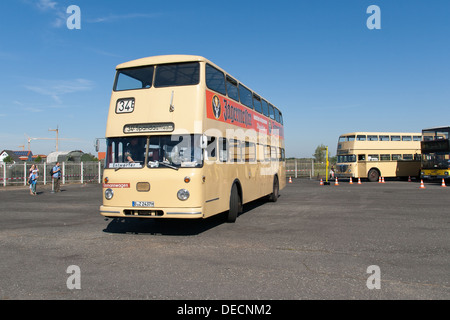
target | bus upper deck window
x=134, y=78
x=265, y=108
x=257, y=103
x=232, y=89
x=372, y=138
x=277, y=115
x=361, y=138
x=245, y=96
x=215, y=79
x=177, y=74
x=271, y=112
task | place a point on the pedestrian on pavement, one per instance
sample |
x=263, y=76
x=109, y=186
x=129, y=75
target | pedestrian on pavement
x=56, y=176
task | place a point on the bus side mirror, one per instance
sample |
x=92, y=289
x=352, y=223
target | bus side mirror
x=203, y=142
x=97, y=145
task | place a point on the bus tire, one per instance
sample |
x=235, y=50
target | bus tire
x=373, y=175
x=273, y=197
x=235, y=204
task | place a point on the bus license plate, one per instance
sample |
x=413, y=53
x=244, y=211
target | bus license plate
x=143, y=204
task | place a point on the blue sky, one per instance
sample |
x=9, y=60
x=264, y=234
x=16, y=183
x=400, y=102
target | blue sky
x=314, y=59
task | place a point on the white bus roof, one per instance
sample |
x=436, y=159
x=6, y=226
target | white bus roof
x=160, y=60
x=380, y=133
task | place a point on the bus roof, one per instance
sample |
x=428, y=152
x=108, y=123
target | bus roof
x=380, y=133
x=174, y=58
x=437, y=128
x=160, y=60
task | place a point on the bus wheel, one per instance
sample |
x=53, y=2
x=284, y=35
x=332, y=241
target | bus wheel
x=235, y=204
x=275, y=191
x=373, y=175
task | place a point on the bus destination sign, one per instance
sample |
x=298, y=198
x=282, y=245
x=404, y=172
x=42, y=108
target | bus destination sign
x=148, y=127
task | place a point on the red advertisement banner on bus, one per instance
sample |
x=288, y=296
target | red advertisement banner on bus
x=223, y=109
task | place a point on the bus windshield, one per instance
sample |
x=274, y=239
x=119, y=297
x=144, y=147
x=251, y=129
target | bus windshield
x=175, y=150
x=168, y=151
x=438, y=160
x=347, y=158
x=166, y=75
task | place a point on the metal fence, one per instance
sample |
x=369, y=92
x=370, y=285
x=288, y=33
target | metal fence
x=81, y=172
x=91, y=172
x=305, y=168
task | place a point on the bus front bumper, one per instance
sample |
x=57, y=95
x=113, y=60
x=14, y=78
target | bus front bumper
x=178, y=213
x=343, y=175
x=435, y=174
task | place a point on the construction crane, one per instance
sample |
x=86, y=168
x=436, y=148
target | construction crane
x=57, y=138
x=57, y=131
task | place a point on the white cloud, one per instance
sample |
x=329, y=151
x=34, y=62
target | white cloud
x=51, y=7
x=46, y=4
x=55, y=89
x=114, y=17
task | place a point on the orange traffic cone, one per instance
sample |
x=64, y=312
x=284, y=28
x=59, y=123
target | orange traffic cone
x=443, y=183
x=351, y=180
x=421, y=185
x=409, y=178
x=290, y=180
x=336, y=182
x=321, y=182
x=379, y=179
x=382, y=180
x=359, y=180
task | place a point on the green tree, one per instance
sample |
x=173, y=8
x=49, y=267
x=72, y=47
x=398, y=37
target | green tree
x=320, y=153
x=88, y=157
x=8, y=159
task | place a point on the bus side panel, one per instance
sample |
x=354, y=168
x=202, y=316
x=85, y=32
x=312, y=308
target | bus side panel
x=408, y=168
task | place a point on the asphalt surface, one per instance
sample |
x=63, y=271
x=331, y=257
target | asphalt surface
x=316, y=242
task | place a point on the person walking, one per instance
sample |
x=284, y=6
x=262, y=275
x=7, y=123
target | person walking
x=33, y=181
x=56, y=176
x=33, y=170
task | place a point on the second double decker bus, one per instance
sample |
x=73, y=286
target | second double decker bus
x=185, y=139
x=373, y=155
x=436, y=153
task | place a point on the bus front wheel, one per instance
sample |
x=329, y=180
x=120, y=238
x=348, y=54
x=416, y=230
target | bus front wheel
x=373, y=175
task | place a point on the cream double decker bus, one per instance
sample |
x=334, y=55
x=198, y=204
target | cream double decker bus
x=185, y=139
x=373, y=155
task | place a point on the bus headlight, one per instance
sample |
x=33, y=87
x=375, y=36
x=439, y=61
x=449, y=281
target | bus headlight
x=183, y=194
x=109, y=194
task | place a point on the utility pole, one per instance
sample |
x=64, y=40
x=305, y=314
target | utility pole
x=327, y=164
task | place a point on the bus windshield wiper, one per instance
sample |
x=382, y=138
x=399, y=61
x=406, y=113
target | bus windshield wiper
x=168, y=165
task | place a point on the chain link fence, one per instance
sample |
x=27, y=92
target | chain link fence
x=72, y=172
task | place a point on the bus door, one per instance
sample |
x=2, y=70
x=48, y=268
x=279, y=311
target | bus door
x=211, y=175
x=361, y=167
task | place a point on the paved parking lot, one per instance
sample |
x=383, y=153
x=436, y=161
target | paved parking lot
x=316, y=242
